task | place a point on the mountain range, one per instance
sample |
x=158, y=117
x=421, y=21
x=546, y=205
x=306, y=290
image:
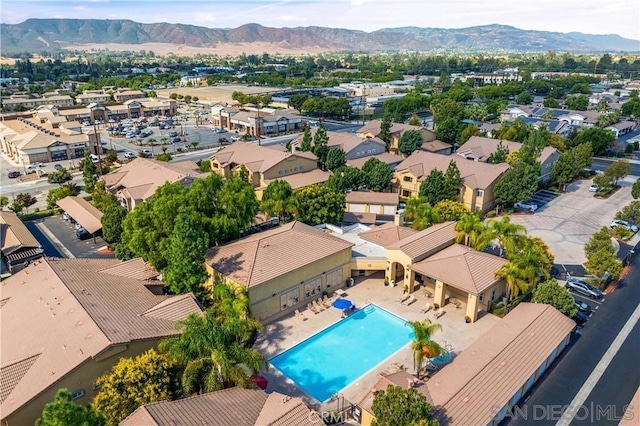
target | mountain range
x=51, y=34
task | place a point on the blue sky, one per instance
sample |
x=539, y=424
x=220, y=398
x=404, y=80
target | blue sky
x=588, y=16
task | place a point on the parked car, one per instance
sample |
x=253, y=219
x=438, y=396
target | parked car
x=14, y=174
x=223, y=141
x=583, y=307
x=175, y=140
x=235, y=138
x=624, y=224
x=57, y=166
x=580, y=318
x=526, y=205
x=95, y=158
x=173, y=134
x=129, y=154
x=35, y=165
x=594, y=188
x=66, y=216
x=147, y=152
x=83, y=234
x=78, y=226
x=582, y=287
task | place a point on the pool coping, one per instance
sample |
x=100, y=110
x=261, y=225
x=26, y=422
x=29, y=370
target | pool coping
x=289, y=379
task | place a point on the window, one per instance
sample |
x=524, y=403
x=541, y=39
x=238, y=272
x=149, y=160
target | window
x=406, y=193
x=407, y=179
x=479, y=193
x=493, y=294
x=289, y=299
x=77, y=394
x=312, y=287
x=334, y=278
x=481, y=296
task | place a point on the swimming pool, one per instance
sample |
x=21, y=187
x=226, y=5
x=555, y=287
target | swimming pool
x=332, y=359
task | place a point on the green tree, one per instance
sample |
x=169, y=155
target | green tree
x=89, y=172
x=319, y=204
x=25, y=200
x=449, y=130
x=415, y=121
x=296, y=101
x=347, y=178
x=278, y=200
x=401, y=407
x=448, y=210
x=56, y=194
x=447, y=108
x=385, y=130
x=420, y=213
x=320, y=148
x=600, y=139
x=410, y=141
x=112, y=218
x=577, y=103
x=500, y=154
x=59, y=176
x=185, y=271
x=433, y=187
x=518, y=183
x=583, y=155
x=510, y=235
x=635, y=189
x=237, y=205
x=133, y=382
x=631, y=108
x=516, y=131
x=552, y=293
x=550, y=102
x=630, y=212
x=471, y=231
x=452, y=181
x=62, y=411
x=305, y=145
x=336, y=158
x=4, y=201
x=377, y=175
x=617, y=171
x=565, y=169
x=468, y=131
x=600, y=240
x=211, y=355
x=423, y=345
x=603, y=261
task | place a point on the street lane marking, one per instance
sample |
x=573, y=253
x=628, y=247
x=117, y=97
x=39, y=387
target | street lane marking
x=56, y=242
x=599, y=370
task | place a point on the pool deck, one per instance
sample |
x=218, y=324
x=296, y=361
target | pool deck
x=280, y=335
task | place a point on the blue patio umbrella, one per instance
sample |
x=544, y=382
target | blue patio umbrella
x=342, y=304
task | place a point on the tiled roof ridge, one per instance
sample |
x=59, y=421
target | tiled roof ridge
x=505, y=347
x=467, y=253
x=167, y=301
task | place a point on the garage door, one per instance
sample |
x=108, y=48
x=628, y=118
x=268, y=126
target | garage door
x=375, y=208
x=356, y=208
x=389, y=209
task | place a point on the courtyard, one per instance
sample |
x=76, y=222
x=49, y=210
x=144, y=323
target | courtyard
x=289, y=331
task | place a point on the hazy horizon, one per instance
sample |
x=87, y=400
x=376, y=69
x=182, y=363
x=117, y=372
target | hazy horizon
x=585, y=16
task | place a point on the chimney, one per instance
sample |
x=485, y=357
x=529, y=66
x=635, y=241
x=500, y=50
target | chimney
x=398, y=218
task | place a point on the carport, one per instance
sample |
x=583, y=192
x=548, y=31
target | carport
x=82, y=212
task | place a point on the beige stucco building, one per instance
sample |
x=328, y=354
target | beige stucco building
x=283, y=268
x=372, y=129
x=478, y=179
x=263, y=164
x=65, y=322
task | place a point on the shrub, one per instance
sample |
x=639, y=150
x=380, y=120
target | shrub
x=40, y=214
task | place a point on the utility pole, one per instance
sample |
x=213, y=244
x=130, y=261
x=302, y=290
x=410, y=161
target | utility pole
x=98, y=148
x=363, y=102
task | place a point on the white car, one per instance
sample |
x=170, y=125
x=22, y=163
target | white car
x=235, y=138
x=594, y=188
x=624, y=224
x=526, y=205
x=35, y=165
x=129, y=154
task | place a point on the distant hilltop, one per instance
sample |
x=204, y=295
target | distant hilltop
x=52, y=34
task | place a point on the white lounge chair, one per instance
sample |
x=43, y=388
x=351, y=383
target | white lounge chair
x=427, y=308
x=300, y=315
x=404, y=297
x=312, y=308
x=410, y=300
x=437, y=314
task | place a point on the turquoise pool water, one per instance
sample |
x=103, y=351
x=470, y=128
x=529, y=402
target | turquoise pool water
x=332, y=359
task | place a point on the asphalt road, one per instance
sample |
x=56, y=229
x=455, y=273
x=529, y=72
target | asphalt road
x=621, y=379
x=603, y=163
x=60, y=238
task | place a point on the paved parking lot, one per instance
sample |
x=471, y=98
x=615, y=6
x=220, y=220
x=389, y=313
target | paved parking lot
x=567, y=222
x=544, y=197
x=62, y=235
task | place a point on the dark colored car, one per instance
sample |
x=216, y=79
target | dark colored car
x=57, y=166
x=175, y=140
x=173, y=134
x=579, y=318
x=14, y=174
x=83, y=234
x=583, y=307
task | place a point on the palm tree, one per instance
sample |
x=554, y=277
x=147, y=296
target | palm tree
x=473, y=232
x=423, y=346
x=510, y=273
x=420, y=212
x=511, y=236
x=212, y=355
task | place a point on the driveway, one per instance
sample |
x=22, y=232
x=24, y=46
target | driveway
x=567, y=222
x=62, y=236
